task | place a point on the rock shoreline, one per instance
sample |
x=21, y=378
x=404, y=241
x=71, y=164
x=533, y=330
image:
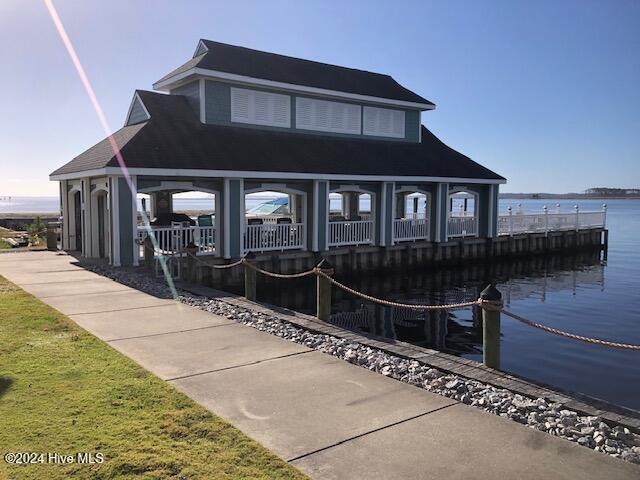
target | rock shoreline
x=538, y=413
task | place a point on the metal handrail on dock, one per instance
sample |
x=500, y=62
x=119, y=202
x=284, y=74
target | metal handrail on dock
x=519, y=222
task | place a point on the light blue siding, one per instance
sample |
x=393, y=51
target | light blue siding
x=412, y=125
x=323, y=214
x=125, y=215
x=192, y=92
x=389, y=214
x=442, y=212
x=235, y=222
x=496, y=196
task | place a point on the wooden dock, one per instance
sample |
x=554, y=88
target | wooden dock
x=414, y=255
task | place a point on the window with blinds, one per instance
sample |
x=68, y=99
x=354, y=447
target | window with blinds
x=327, y=116
x=260, y=108
x=383, y=122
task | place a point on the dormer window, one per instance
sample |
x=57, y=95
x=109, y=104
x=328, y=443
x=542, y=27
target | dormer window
x=383, y=122
x=328, y=116
x=260, y=108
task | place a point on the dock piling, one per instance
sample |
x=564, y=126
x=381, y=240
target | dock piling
x=249, y=277
x=148, y=253
x=492, y=303
x=190, y=274
x=323, y=291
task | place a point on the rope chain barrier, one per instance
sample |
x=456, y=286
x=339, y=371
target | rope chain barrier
x=388, y=303
x=562, y=333
x=216, y=267
x=487, y=305
x=279, y=275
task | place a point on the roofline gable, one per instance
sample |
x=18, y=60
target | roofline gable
x=202, y=45
x=172, y=81
x=136, y=98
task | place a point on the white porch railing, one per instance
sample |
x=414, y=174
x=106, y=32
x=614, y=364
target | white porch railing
x=272, y=236
x=173, y=240
x=348, y=232
x=272, y=218
x=410, y=229
x=514, y=223
x=462, y=227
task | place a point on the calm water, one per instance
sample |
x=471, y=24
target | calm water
x=577, y=293
x=52, y=204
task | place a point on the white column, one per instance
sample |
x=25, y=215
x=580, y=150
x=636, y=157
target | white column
x=86, y=217
x=115, y=219
x=134, y=220
x=64, y=205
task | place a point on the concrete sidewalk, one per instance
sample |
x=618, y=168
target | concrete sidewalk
x=331, y=419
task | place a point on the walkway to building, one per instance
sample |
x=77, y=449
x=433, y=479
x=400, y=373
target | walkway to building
x=331, y=419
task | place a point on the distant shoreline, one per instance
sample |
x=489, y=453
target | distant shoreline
x=551, y=196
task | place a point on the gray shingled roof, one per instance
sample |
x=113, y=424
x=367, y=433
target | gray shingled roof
x=281, y=68
x=175, y=138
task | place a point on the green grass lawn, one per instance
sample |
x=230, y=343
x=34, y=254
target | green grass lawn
x=63, y=390
x=4, y=245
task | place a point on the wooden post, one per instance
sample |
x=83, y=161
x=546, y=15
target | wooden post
x=492, y=297
x=148, y=253
x=323, y=291
x=190, y=274
x=249, y=277
x=52, y=236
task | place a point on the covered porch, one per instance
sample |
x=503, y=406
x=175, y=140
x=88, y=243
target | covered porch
x=227, y=217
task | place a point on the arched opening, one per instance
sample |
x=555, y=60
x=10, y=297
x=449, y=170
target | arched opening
x=178, y=217
x=411, y=220
x=351, y=219
x=274, y=219
x=75, y=219
x=462, y=213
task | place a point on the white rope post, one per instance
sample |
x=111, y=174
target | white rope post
x=491, y=305
x=510, y=210
x=249, y=277
x=604, y=215
x=323, y=291
x=577, y=217
x=546, y=220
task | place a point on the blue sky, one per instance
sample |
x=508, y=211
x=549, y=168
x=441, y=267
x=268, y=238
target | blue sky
x=546, y=93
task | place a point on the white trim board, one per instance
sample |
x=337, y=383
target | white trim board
x=166, y=85
x=184, y=172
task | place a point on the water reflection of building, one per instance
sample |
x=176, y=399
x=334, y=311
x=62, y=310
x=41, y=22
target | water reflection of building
x=517, y=289
x=451, y=331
